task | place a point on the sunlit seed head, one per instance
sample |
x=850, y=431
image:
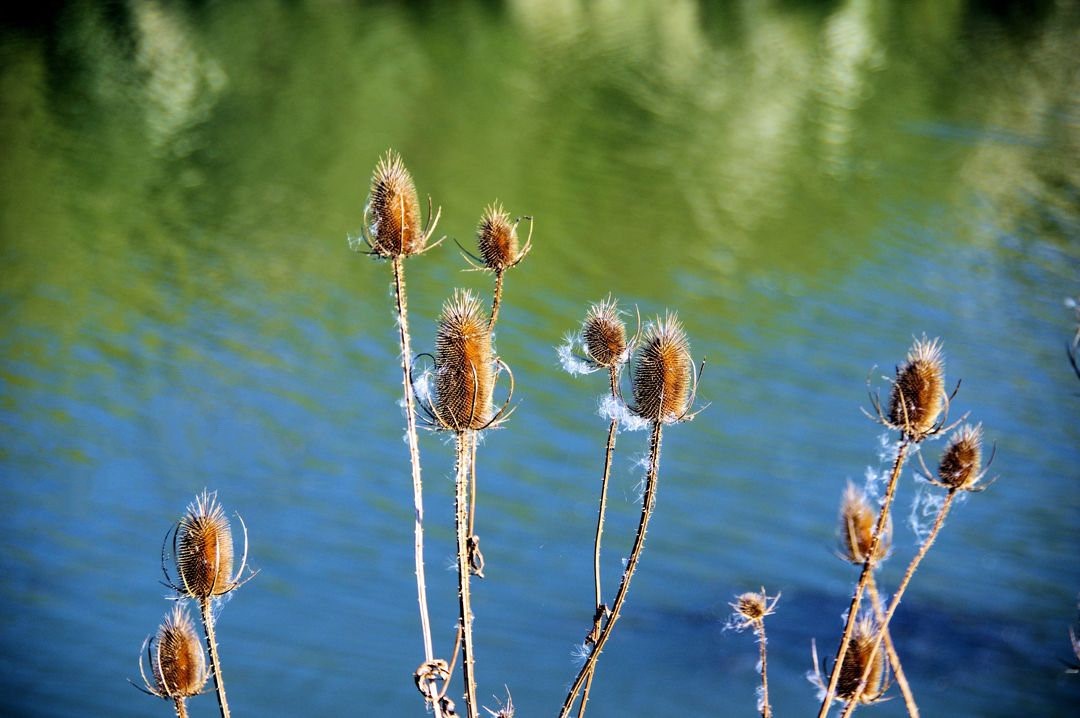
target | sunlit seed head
x=464, y=373
x=394, y=209
x=177, y=659
x=204, y=553
x=962, y=459
x=496, y=237
x=663, y=375
x=856, y=531
x=604, y=334
x=856, y=661
x=918, y=393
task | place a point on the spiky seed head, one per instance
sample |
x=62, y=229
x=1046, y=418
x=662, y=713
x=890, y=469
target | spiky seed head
x=663, y=376
x=496, y=237
x=960, y=464
x=177, y=659
x=751, y=605
x=394, y=211
x=856, y=661
x=918, y=394
x=464, y=373
x=604, y=334
x=856, y=531
x=204, y=553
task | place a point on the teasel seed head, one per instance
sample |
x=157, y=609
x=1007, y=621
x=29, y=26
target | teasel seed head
x=750, y=610
x=464, y=364
x=204, y=549
x=177, y=661
x=856, y=661
x=918, y=393
x=604, y=334
x=394, y=210
x=856, y=531
x=663, y=375
x=497, y=240
x=961, y=463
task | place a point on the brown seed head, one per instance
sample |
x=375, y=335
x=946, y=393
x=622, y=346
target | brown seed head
x=394, y=210
x=177, y=659
x=496, y=237
x=751, y=605
x=464, y=375
x=204, y=553
x=960, y=464
x=857, y=659
x=663, y=379
x=857, y=522
x=918, y=394
x=604, y=334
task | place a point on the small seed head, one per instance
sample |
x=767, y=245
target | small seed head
x=464, y=374
x=394, y=210
x=177, y=660
x=204, y=553
x=496, y=237
x=918, y=393
x=604, y=334
x=856, y=531
x=857, y=659
x=961, y=462
x=663, y=380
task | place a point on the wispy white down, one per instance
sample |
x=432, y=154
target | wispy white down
x=570, y=356
x=580, y=653
x=924, y=508
x=614, y=408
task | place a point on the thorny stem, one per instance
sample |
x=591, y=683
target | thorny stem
x=934, y=530
x=215, y=663
x=766, y=709
x=496, y=300
x=468, y=663
x=864, y=577
x=181, y=707
x=890, y=649
x=647, y=504
x=414, y=460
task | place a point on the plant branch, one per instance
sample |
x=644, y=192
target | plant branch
x=468, y=662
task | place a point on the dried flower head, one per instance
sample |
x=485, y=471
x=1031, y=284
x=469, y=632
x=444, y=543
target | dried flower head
x=464, y=365
x=604, y=334
x=663, y=376
x=856, y=532
x=918, y=393
x=751, y=608
x=856, y=661
x=496, y=237
x=203, y=551
x=393, y=210
x=960, y=467
x=177, y=661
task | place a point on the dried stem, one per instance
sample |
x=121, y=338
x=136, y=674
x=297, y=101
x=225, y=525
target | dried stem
x=414, y=460
x=496, y=300
x=179, y=702
x=935, y=529
x=464, y=441
x=864, y=577
x=890, y=649
x=647, y=504
x=206, y=611
x=766, y=709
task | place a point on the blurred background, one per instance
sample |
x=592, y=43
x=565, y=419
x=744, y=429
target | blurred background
x=809, y=184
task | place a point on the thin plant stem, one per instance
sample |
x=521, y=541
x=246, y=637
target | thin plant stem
x=766, y=709
x=496, y=300
x=206, y=612
x=647, y=504
x=864, y=577
x=181, y=707
x=890, y=649
x=472, y=485
x=934, y=530
x=585, y=695
x=414, y=461
x=468, y=662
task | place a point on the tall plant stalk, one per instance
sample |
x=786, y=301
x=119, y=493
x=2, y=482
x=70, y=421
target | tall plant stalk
x=464, y=442
x=206, y=612
x=647, y=505
x=890, y=649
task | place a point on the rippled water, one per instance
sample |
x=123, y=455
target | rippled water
x=809, y=185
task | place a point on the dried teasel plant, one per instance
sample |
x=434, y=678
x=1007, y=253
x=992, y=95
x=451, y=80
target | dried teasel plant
x=177, y=662
x=749, y=611
x=392, y=230
x=856, y=529
x=202, y=551
x=863, y=666
x=664, y=385
x=499, y=247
